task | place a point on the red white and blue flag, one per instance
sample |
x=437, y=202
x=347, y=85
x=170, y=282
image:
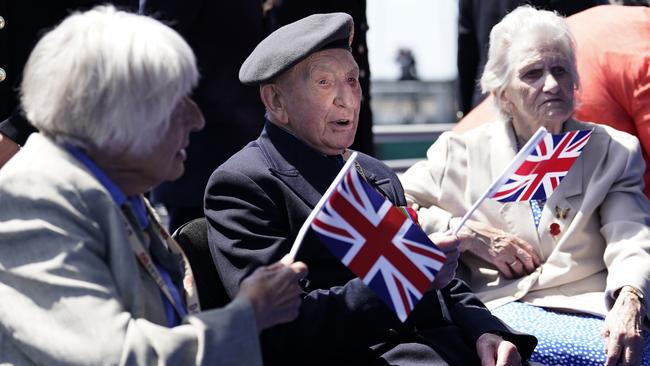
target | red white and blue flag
x=544, y=168
x=379, y=243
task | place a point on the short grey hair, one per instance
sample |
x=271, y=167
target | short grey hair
x=107, y=79
x=524, y=21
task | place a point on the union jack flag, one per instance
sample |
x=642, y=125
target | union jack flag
x=379, y=243
x=543, y=170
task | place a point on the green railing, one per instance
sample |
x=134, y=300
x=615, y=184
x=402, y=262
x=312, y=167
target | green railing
x=408, y=116
x=402, y=145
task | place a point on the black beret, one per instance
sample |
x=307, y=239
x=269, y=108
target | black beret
x=294, y=42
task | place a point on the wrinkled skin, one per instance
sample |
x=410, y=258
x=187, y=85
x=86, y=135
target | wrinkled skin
x=622, y=331
x=512, y=256
x=274, y=292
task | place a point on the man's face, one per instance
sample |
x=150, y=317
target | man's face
x=322, y=99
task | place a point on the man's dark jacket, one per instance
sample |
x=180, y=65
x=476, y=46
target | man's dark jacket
x=255, y=204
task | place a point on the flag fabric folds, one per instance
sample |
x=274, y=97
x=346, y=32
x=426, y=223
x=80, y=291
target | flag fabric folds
x=544, y=168
x=379, y=243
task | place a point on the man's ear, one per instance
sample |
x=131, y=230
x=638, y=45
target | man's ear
x=274, y=102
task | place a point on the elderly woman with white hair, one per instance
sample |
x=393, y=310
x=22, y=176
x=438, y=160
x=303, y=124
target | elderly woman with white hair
x=87, y=273
x=585, y=249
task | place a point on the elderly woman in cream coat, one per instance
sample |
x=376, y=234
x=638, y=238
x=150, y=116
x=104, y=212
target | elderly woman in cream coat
x=586, y=248
x=87, y=274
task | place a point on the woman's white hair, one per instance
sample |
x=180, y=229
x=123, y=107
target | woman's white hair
x=524, y=23
x=107, y=79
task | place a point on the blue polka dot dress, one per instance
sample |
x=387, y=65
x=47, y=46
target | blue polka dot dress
x=564, y=338
x=536, y=206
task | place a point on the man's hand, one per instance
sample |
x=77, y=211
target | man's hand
x=622, y=331
x=274, y=292
x=495, y=351
x=8, y=148
x=513, y=256
x=450, y=245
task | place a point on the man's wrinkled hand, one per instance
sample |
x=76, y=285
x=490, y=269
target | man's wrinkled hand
x=495, y=351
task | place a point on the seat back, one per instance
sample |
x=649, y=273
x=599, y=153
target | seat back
x=193, y=239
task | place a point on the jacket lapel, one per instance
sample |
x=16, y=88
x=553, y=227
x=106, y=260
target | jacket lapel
x=296, y=182
x=300, y=167
x=384, y=186
x=516, y=215
x=558, y=209
x=307, y=172
x=502, y=147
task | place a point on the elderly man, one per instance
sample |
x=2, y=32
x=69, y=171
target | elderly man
x=257, y=201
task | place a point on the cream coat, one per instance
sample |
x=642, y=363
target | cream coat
x=72, y=290
x=604, y=241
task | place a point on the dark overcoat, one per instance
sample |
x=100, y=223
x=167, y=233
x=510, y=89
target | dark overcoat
x=255, y=204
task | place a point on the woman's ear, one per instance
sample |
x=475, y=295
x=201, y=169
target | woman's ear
x=504, y=102
x=274, y=102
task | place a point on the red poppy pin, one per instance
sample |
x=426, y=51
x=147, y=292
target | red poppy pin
x=554, y=229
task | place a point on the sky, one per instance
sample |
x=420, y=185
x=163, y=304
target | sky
x=427, y=27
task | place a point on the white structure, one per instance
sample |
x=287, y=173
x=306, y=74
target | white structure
x=427, y=27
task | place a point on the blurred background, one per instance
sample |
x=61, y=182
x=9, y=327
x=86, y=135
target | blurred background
x=425, y=58
x=412, y=47
x=418, y=65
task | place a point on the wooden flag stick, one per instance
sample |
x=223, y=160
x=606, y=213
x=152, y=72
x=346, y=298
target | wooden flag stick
x=319, y=205
x=507, y=172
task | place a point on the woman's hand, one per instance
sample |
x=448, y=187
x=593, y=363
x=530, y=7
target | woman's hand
x=622, y=330
x=513, y=256
x=274, y=292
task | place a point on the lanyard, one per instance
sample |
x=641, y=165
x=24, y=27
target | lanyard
x=191, y=296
